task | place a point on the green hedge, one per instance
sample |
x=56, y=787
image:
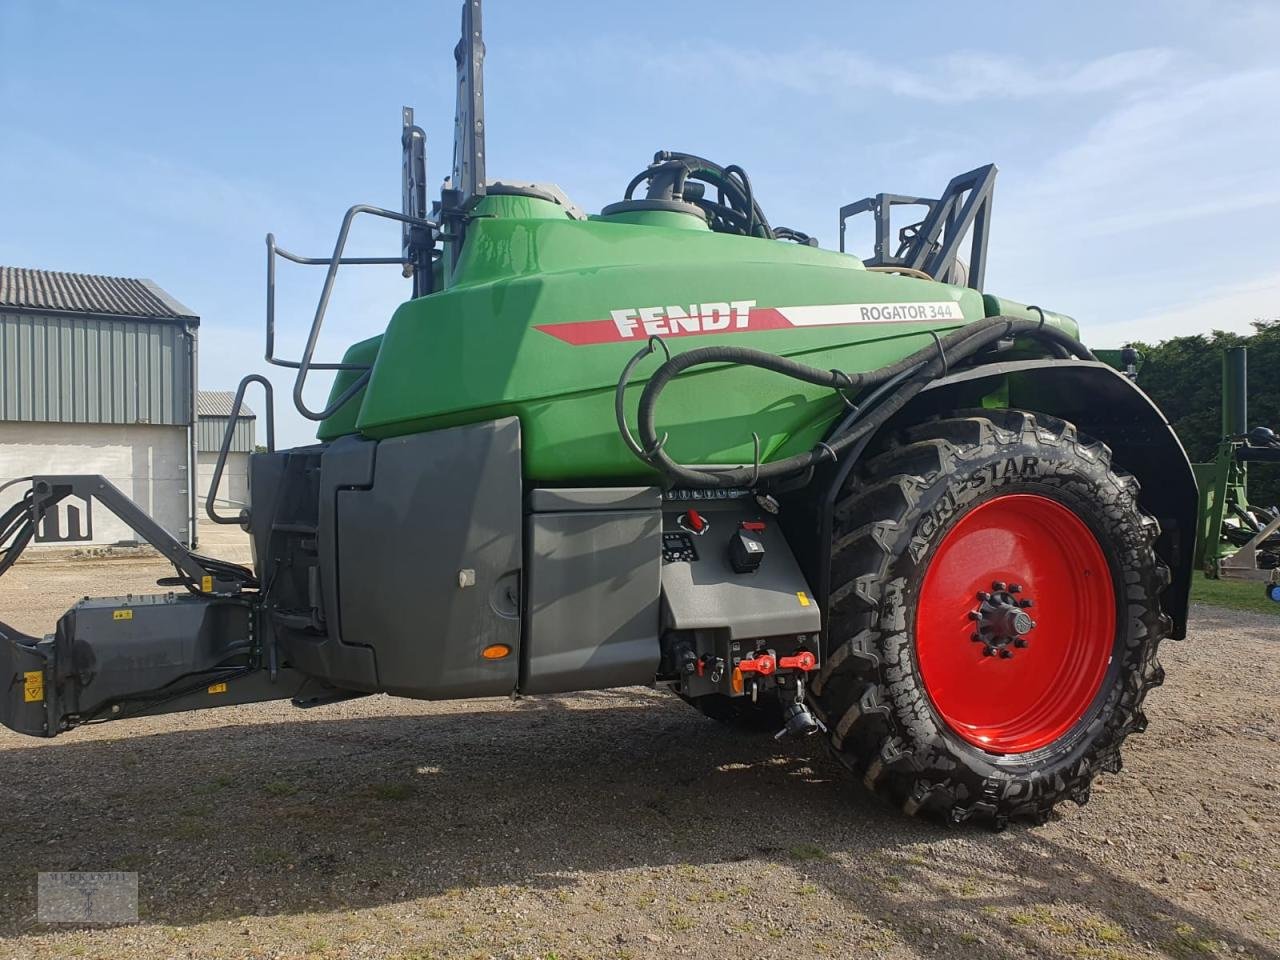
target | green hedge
x=1184, y=377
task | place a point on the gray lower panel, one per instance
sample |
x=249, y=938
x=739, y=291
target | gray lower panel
x=593, y=581
x=429, y=561
x=705, y=593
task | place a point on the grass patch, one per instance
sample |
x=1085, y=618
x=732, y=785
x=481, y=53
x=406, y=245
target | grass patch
x=680, y=921
x=1042, y=918
x=1187, y=942
x=809, y=851
x=1236, y=594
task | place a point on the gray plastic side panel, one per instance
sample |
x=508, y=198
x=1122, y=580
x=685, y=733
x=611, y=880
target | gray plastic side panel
x=708, y=594
x=550, y=500
x=441, y=503
x=347, y=463
x=593, y=582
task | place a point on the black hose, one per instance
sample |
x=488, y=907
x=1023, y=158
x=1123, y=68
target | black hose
x=911, y=375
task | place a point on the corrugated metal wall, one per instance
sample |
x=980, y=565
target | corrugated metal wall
x=209, y=432
x=72, y=369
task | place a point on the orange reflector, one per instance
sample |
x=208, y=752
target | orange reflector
x=736, y=679
x=497, y=651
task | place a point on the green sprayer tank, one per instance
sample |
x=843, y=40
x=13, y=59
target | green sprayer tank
x=543, y=311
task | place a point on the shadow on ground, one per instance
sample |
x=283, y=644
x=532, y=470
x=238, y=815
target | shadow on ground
x=295, y=817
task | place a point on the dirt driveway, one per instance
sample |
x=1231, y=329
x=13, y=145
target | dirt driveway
x=624, y=825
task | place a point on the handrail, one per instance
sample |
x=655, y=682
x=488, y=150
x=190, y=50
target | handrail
x=225, y=450
x=307, y=364
x=272, y=252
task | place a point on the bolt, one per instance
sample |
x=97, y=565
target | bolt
x=988, y=651
x=1015, y=588
x=1025, y=603
x=983, y=595
x=998, y=585
x=1006, y=653
x=1019, y=642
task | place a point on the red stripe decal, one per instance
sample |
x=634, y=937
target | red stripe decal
x=582, y=333
x=742, y=316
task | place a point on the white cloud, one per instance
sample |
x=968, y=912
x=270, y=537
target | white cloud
x=959, y=77
x=1232, y=307
x=1185, y=150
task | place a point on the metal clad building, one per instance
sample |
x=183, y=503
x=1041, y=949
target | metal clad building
x=213, y=415
x=97, y=375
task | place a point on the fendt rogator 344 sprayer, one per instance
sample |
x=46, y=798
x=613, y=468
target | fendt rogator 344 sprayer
x=674, y=443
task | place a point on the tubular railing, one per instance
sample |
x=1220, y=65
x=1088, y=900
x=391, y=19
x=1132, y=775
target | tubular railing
x=229, y=434
x=307, y=363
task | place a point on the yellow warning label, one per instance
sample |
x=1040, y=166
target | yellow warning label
x=206, y=584
x=121, y=614
x=804, y=600
x=33, y=687
x=218, y=688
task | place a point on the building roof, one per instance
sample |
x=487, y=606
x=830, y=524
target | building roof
x=48, y=290
x=217, y=403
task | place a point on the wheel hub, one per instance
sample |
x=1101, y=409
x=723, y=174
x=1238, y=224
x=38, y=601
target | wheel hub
x=1002, y=620
x=980, y=579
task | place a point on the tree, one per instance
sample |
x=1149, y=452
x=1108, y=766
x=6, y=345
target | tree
x=1184, y=377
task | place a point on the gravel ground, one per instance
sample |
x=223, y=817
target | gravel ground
x=624, y=825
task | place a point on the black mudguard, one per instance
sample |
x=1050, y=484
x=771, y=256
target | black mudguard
x=1100, y=401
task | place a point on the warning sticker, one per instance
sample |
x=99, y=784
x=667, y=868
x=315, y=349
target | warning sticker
x=206, y=584
x=121, y=614
x=218, y=688
x=33, y=687
x=804, y=600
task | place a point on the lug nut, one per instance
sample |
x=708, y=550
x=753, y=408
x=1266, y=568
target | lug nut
x=998, y=585
x=974, y=615
x=1020, y=642
x=1025, y=603
x=983, y=595
x=1015, y=588
x=1006, y=654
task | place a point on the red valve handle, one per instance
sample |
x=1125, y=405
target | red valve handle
x=804, y=660
x=764, y=665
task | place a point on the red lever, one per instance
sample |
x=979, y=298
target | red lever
x=804, y=660
x=764, y=664
x=755, y=526
x=695, y=521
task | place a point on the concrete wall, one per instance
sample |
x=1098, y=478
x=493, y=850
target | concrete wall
x=235, y=481
x=147, y=462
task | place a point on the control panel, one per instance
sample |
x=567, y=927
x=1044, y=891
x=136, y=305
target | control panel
x=678, y=546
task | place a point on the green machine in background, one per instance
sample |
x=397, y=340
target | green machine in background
x=1238, y=540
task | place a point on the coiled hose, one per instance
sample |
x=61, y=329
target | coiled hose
x=915, y=372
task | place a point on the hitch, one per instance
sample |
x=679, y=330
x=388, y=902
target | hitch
x=116, y=657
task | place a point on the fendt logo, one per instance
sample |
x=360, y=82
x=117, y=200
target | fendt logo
x=699, y=318
x=737, y=316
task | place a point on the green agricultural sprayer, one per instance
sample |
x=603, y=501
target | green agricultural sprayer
x=1238, y=540
x=673, y=443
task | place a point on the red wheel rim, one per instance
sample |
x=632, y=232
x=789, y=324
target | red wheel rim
x=1014, y=700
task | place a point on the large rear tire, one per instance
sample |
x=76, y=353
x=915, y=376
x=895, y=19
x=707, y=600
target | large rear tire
x=994, y=618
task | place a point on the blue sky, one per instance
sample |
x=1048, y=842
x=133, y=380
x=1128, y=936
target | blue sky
x=1137, y=141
